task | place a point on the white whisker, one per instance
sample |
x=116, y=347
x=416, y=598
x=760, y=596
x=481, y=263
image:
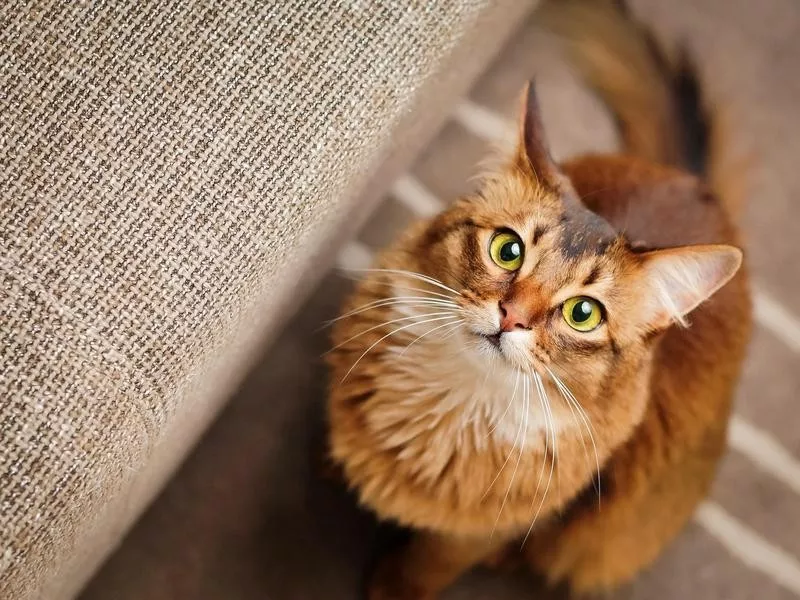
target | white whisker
x=505, y=412
x=553, y=429
x=514, y=393
x=525, y=407
x=394, y=284
x=580, y=425
x=394, y=301
x=589, y=429
x=419, y=337
x=542, y=394
x=450, y=333
x=544, y=460
x=399, y=329
x=384, y=324
x=413, y=275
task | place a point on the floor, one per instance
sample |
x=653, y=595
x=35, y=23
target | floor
x=248, y=518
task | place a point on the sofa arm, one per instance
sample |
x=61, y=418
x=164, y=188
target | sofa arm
x=169, y=174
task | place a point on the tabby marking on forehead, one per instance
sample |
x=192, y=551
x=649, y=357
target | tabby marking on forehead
x=583, y=232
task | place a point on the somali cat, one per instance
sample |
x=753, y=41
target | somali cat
x=545, y=369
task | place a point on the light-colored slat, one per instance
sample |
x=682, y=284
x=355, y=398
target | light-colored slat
x=353, y=256
x=749, y=547
x=778, y=319
x=485, y=124
x=761, y=448
x=416, y=197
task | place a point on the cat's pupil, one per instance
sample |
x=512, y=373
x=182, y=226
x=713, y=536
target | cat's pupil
x=510, y=251
x=582, y=311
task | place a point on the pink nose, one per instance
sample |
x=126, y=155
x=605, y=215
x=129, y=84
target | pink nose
x=513, y=317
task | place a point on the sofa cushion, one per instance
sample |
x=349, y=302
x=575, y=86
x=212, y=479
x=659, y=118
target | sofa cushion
x=170, y=174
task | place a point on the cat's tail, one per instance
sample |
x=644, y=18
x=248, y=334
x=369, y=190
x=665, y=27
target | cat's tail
x=657, y=99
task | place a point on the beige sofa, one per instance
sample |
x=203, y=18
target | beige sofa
x=173, y=178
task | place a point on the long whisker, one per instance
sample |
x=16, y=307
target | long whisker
x=394, y=284
x=505, y=412
x=555, y=438
x=419, y=337
x=579, y=423
x=578, y=406
x=513, y=394
x=525, y=406
x=542, y=395
x=546, y=443
x=587, y=421
x=379, y=325
x=492, y=366
x=450, y=333
x=581, y=411
x=392, y=301
x=397, y=300
x=399, y=329
x=413, y=275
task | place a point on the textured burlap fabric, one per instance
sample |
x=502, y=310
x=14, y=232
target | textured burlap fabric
x=169, y=173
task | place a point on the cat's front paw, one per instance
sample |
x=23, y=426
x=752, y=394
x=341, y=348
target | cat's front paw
x=388, y=583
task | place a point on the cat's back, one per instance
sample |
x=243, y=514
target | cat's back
x=653, y=205
x=696, y=368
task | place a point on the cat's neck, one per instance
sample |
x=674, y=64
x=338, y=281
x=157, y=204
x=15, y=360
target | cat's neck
x=481, y=399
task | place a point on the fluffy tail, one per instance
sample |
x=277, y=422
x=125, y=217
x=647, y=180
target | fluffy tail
x=657, y=101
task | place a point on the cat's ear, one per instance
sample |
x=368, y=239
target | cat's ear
x=532, y=154
x=679, y=279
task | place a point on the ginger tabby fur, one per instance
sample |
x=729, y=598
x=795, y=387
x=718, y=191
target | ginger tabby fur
x=465, y=406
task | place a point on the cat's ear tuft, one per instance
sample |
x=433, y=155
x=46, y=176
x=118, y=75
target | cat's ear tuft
x=679, y=279
x=532, y=154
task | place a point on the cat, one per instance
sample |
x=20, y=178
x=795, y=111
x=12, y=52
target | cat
x=545, y=369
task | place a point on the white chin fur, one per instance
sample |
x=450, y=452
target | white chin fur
x=480, y=382
x=516, y=348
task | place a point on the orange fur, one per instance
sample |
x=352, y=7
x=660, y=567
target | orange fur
x=655, y=480
x=447, y=417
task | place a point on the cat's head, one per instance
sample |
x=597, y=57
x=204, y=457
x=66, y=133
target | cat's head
x=545, y=283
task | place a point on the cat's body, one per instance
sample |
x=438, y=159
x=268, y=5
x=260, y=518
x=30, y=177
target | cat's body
x=482, y=406
x=653, y=483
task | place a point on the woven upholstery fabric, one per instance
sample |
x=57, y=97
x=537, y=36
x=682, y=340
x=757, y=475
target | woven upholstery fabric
x=169, y=172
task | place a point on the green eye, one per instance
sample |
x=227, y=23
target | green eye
x=582, y=313
x=506, y=250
